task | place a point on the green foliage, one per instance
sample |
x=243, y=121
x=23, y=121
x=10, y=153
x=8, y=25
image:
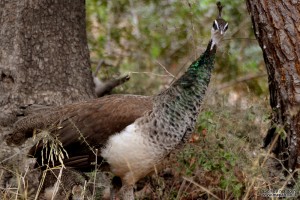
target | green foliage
x=143, y=36
x=226, y=136
x=221, y=162
x=206, y=122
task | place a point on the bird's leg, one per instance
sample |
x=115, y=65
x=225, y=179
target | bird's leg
x=112, y=194
x=126, y=192
x=116, y=184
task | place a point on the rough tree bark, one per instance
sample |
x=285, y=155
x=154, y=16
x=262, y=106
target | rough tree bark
x=276, y=27
x=44, y=56
x=44, y=59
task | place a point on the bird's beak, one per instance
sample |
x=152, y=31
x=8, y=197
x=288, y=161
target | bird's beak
x=222, y=32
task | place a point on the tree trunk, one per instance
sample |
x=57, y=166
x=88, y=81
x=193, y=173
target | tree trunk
x=276, y=27
x=44, y=57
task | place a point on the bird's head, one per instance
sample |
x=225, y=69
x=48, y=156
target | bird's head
x=219, y=27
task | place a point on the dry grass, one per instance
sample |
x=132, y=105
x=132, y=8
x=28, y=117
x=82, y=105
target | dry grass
x=223, y=160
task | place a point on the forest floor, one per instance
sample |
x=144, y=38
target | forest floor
x=224, y=159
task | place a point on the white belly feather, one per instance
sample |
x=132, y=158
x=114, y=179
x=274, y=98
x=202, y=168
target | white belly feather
x=130, y=155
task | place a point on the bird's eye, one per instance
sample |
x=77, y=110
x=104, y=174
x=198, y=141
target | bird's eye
x=226, y=27
x=215, y=25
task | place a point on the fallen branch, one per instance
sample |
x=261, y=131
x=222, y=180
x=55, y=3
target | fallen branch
x=240, y=80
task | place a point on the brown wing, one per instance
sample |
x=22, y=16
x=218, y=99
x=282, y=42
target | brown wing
x=82, y=126
x=98, y=119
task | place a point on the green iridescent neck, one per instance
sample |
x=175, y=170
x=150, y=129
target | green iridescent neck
x=199, y=71
x=178, y=106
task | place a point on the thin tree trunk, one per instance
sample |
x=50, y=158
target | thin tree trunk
x=276, y=27
x=44, y=56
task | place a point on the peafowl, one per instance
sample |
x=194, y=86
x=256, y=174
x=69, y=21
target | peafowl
x=128, y=134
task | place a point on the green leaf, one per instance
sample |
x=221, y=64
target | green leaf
x=155, y=51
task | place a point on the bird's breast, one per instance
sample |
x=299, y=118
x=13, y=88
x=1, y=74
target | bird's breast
x=130, y=154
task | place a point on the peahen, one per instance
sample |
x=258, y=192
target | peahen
x=132, y=134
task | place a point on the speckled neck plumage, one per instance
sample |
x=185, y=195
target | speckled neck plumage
x=176, y=109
